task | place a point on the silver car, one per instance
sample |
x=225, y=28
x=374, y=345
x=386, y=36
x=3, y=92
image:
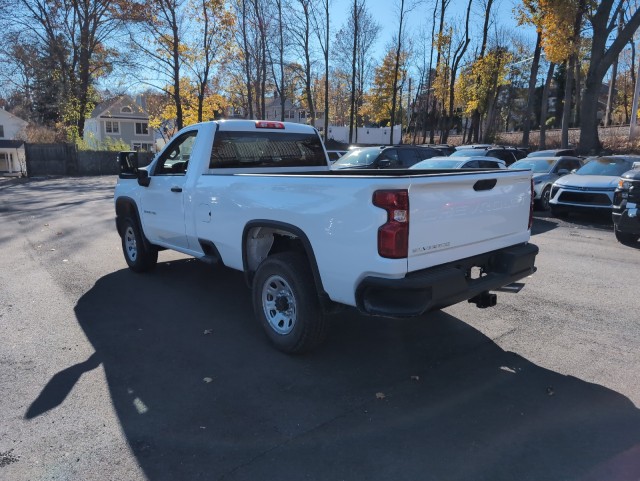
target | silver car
x=591, y=186
x=546, y=170
x=471, y=162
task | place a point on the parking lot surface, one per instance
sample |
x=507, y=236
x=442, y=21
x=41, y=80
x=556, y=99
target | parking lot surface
x=110, y=375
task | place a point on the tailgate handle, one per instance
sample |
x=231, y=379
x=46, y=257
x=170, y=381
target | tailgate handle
x=485, y=184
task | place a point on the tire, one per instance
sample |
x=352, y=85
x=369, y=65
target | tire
x=625, y=237
x=141, y=256
x=561, y=214
x=286, y=303
x=543, y=203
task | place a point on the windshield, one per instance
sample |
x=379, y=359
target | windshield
x=605, y=166
x=357, y=158
x=467, y=153
x=436, y=164
x=535, y=165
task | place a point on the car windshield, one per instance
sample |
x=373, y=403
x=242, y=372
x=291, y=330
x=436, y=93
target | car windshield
x=605, y=166
x=535, y=165
x=436, y=164
x=467, y=153
x=357, y=158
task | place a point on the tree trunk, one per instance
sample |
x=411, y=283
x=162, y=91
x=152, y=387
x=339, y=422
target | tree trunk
x=526, y=127
x=568, y=94
x=247, y=59
x=353, y=69
x=612, y=87
x=396, y=68
x=326, y=75
x=589, y=140
x=545, y=107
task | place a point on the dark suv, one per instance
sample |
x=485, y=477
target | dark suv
x=385, y=157
x=626, y=200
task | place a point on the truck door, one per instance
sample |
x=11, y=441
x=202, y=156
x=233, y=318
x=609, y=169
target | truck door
x=163, y=200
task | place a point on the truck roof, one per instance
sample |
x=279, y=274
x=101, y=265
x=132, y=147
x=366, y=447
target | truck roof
x=268, y=125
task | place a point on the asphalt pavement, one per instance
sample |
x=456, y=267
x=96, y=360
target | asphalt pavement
x=110, y=375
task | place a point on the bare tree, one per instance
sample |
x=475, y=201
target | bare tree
x=302, y=34
x=458, y=55
x=323, y=32
x=72, y=34
x=404, y=9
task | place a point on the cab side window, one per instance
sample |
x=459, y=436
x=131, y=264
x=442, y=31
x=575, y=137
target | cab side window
x=175, y=158
x=392, y=156
x=567, y=164
x=407, y=157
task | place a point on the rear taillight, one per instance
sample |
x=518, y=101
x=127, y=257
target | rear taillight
x=531, y=206
x=393, y=236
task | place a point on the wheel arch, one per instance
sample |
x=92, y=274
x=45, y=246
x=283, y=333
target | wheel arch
x=272, y=237
x=126, y=207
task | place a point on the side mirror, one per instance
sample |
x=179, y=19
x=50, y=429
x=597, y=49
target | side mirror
x=384, y=164
x=128, y=165
x=563, y=172
x=143, y=178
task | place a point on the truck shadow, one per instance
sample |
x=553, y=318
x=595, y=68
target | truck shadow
x=201, y=395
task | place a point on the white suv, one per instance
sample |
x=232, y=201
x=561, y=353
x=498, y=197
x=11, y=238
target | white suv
x=591, y=186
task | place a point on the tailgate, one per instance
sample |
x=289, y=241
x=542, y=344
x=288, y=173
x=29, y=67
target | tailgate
x=454, y=216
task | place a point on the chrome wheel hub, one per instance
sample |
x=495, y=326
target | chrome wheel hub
x=279, y=305
x=130, y=246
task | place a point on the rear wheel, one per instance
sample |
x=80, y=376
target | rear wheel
x=286, y=303
x=140, y=255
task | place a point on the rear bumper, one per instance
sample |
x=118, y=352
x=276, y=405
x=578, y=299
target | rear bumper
x=444, y=285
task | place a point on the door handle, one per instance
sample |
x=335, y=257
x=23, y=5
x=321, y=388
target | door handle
x=176, y=189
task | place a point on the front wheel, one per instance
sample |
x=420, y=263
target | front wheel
x=625, y=237
x=544, y=199
x=139, y=254
x=560, y=213
x=286, y=303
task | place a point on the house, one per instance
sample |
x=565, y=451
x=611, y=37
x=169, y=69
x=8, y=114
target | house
x=11, y=150
x=292, y=113
x=121, y=118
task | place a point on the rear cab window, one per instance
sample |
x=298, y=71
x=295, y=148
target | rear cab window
x=239, y=149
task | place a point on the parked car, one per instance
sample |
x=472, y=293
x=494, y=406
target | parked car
x=553, y=153
x=386, y=157
x=508, y=154
x=626, y=200
x=445, y=149
x=473, y=146
x=591, y=187
x=335, y=154
x=546, y=170
x=476, y=162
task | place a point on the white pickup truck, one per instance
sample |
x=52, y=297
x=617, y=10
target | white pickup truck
x=261, y=197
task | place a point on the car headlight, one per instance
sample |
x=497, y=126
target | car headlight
x=624, y=184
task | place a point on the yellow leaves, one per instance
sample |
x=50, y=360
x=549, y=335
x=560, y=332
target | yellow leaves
x=555, y=20
x=377, y=103
x=476, y=85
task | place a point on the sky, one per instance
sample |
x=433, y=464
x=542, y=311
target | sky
x=385, y=12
